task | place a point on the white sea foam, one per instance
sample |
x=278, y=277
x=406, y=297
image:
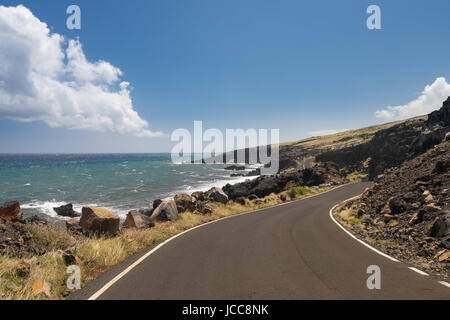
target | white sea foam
x=46, y=208
x=202, y=187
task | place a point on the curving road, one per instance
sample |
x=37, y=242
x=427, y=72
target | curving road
x=293, y=251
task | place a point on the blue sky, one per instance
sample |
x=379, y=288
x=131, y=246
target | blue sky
x=300, y=66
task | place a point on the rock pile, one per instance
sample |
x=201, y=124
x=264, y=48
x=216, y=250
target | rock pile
x=15, y=238
x=321, y=173
x=410, y=206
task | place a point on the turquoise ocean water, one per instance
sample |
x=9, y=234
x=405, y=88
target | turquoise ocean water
x=118, y=182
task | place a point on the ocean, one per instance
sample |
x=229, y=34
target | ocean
x=117, y=182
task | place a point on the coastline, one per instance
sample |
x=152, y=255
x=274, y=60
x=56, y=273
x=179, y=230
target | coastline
x=95, y=255
x=119, y=183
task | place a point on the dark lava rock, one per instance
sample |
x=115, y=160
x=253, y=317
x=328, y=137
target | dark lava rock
x=16, y=240
x=436, y=128
x=442, y=166
x=203, y=207
x=396, y=205
x=199, y=196
x=237, y=175
x=418, y=195
x=235, y=167
x=67, y=211
x=254, y=173
x=146, y=212
x=156, y=203
x=262, y=186
x=240, y=200
x=36, y=220
x=438, y=228
x=217, y=194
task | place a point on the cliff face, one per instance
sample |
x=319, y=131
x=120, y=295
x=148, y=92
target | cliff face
x=388, y=148
x=392, y=146
x=435, y=129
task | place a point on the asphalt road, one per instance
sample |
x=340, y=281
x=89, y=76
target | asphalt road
x=293, y=251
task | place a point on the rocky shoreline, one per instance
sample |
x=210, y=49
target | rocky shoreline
x=25, y=242
x=94, y=222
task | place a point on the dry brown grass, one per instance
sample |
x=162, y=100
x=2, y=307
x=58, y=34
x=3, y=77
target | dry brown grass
x=346, y=138
x=347, y=216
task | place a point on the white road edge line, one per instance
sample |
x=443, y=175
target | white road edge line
x=360, y=241
x=97, y=294
x=376, y=250
x=445, y=283
x=419, y=271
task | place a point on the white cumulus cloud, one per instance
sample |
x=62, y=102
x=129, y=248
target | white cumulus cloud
x=431, y=99
x=43, y=77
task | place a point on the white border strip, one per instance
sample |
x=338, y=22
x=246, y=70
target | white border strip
x=445, y=283
x=376, y=250
x=419, y=271
x=97, y=294
x=360, y=241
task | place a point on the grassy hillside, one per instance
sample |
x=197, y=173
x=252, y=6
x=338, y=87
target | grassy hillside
x=317, y=145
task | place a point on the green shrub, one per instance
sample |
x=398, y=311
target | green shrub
x=298, y=191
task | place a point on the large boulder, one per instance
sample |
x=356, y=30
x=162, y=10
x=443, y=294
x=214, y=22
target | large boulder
x=199, y=196
x=137, y=220
x=99, y=221
x=166, y=211
x=67, y=211
x=185, y=202
x=10, y=210
x=216, y=194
